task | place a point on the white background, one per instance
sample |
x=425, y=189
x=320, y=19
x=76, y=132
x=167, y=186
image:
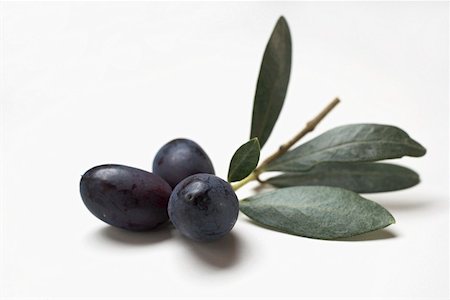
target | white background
x=90, y=83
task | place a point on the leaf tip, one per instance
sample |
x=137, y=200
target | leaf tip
x=391, y=220
x=419, y=149
x=422, y=150
x=282, y=19
x=282, y=22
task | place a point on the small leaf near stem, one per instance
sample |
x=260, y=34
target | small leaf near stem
x=244, y=160
x=310, y=126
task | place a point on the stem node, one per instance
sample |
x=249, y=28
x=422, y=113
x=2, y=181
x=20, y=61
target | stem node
x=310, y=126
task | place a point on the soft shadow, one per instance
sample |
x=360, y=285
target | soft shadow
x=263, y=187
x=381, y=234
x=405, y=205
x=409, y=201
x=125, y=237
x=264, y=226
x=220, y=254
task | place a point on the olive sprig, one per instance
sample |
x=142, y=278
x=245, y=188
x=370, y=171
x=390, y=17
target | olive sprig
x=309, y=127
x=316, y=194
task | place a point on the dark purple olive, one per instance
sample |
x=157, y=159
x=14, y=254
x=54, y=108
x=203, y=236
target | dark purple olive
x=125, y=197
x=181, y=158
x=203, y=207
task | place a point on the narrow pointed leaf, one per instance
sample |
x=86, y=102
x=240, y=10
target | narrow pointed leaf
x=316, y=212
x=272, y=82
x=244, y=160
x=357, y=177
x=349, y=143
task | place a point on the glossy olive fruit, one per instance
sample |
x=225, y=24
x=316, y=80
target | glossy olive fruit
x=179, y=159
x=203, y=207
x=125, y=197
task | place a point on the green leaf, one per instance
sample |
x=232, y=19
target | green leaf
x=244, y=160
x=357, y=177
x=272, y=82
x=349, y=143
x=316, y=212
